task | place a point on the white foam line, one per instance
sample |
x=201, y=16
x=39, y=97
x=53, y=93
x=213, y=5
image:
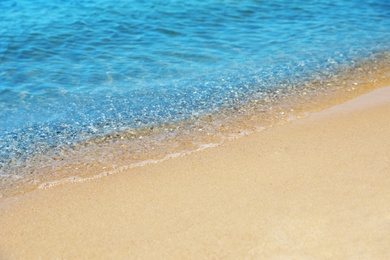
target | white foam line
x=124, y=168
x=13, y=176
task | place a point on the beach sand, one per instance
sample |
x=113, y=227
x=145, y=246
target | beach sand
x=316, y=188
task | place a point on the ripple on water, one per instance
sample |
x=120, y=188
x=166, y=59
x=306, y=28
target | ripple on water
x=80, y=81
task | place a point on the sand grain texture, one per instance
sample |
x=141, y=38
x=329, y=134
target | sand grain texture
x=317, y=188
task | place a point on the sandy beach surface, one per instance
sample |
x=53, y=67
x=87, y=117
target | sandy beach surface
x=317, y=188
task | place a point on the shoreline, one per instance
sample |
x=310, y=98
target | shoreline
x=314, y=188
x=119, y=151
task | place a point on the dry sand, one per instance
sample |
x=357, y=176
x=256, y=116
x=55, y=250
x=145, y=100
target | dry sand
x=317, y=188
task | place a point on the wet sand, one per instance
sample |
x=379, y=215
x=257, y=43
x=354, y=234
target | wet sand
x=317, y=188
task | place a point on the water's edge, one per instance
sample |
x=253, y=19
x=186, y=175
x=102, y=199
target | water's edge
x=117, y=152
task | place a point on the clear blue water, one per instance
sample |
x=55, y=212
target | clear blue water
x=72, y=70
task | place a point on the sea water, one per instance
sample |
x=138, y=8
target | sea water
x=80, y=79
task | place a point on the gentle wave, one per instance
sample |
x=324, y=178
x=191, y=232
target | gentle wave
x=80, y=77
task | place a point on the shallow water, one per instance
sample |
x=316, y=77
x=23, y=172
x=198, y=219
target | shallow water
x=79, y=79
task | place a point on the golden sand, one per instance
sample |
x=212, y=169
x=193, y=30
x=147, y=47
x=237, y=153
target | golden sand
x=114, y=152
x=317, y=188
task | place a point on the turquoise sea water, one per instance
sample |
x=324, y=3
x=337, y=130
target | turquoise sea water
x=73, y=71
